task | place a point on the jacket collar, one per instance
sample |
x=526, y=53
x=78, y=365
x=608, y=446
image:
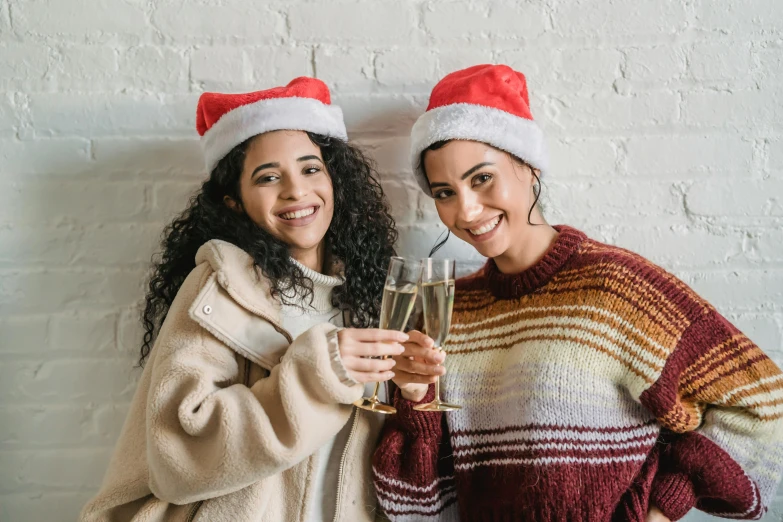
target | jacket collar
x=240, y=277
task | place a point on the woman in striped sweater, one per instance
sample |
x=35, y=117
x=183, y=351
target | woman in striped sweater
x=595, y=385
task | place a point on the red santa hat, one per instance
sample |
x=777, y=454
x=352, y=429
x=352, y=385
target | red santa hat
x=486, y=103
x=225, y=120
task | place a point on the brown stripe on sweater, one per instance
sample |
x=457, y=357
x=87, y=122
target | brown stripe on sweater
x=744, y=355
x=756, y=389
x=606, y=300
x=676, y=292
x=727, y=377
x=617, y=325
x=625, y=348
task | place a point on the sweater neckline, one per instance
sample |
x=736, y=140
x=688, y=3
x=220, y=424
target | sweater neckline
x=511, y=286
x=323, y=286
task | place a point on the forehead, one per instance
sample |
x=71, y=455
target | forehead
x=281, y=145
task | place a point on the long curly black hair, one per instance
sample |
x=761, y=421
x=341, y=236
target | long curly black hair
x=361, y=237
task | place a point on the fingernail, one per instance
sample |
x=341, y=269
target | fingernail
x=400, y=348
x=393, y=362
x=403, y=337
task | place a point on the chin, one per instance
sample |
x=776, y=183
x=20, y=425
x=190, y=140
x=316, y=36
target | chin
x=305, y=241
x=489, y=249
x=302, y=245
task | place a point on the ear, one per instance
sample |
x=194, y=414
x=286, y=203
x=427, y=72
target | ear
x=537, y=172
x=232, y=204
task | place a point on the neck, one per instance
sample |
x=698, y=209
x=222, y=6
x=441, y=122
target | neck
x=513, y=283
x=312, y=258
x=526, y=253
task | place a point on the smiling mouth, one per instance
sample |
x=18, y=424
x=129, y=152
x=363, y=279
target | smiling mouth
x=298, y=213
x=488, y=227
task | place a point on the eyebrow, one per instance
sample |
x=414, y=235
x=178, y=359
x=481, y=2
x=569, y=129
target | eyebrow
x=276, y=165
x=470, y=171
x=273, y=165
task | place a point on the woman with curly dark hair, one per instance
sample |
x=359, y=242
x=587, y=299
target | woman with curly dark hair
x=261, y=310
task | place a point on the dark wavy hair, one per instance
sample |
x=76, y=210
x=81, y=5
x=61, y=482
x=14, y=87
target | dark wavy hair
x=361, y=237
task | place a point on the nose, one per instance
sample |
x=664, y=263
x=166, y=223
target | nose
x=295, y=187
x=469, y=207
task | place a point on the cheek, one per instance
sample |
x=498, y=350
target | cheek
x=258, y=204
x=501, y=196
x=446, y=213
x=323, y=188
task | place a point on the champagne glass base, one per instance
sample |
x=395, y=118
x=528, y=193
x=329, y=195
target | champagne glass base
x=437, y=406
x=373, y=404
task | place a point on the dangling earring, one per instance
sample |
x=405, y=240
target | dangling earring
x=536, y=193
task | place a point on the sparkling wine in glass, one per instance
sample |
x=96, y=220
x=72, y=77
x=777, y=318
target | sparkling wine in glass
x=437, y=298
x=399, y=296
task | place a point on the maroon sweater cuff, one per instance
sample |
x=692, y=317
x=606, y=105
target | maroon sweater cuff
x=673, y=494
x=418, y=423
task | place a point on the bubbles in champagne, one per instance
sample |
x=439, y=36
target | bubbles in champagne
x=438, y=302
x=398, y=300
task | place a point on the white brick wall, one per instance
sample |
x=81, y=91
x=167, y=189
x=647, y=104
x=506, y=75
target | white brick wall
x=665, y=121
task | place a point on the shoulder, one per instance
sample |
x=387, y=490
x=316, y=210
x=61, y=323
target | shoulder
x=635, y=277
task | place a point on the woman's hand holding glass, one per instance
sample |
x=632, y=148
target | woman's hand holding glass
x=418, y=366
x=366, y=352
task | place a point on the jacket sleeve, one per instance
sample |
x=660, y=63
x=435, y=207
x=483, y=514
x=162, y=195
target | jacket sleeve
x=208, y=434
x=720, y=401
x=413, y=466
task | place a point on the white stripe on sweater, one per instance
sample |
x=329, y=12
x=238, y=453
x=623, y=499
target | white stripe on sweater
x=641, y=445
x=406, y=485
x=543, y=461
x=569, y=434
x=416, y=504
x=631, y=353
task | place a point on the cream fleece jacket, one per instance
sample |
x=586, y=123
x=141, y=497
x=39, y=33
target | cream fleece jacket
x=230, y=412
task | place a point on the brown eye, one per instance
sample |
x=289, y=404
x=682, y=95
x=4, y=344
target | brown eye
x=480, y=179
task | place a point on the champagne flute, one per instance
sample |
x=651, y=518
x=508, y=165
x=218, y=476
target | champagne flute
x=399, y=296
x=437, y=296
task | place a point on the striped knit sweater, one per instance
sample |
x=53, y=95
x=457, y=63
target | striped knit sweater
x=592, y=384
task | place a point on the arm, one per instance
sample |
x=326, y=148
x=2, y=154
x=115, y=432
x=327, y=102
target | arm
x=720, y=401
x=413, y=467
x=208, y=434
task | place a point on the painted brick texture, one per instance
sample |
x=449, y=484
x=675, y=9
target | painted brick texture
x=664, y=119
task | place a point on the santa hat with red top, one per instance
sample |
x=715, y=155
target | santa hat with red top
x=225, y=120
x=486, y=103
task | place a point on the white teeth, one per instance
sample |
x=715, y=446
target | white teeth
x=486, y=228
x=298, y=213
